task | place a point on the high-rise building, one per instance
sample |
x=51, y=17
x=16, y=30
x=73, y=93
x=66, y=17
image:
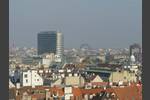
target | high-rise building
x=60, y=41
x=136, y=50
x=47, y=42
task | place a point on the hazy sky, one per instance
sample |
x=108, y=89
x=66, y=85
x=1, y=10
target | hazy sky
x=100, y=23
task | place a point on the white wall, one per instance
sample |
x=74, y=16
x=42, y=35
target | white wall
x=68, y=90
x=46, y=61
x=36, y=79
x=26, y=78
x=31, y=78
x=74, y=80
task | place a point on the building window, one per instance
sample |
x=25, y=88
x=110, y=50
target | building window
x=26, y=80
x=25, y=75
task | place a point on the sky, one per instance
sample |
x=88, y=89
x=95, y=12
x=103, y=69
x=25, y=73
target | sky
x=99, y=23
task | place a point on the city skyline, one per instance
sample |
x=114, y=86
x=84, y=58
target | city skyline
x=113, y=24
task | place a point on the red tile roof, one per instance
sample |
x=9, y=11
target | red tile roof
x=98, y=83
x=123, y=93
x=39, y=96
x=128, y=93
x=57, y=90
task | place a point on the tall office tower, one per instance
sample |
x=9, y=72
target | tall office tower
x=136, y=50
x=60, y=41
x=47, y=42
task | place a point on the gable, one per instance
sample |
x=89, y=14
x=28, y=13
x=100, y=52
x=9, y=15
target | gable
x=97, y=79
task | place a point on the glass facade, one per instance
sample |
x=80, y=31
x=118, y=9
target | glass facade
x=47, y=42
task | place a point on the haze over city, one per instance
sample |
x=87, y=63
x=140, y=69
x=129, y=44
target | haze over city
x=75, y=50
x=100, y=23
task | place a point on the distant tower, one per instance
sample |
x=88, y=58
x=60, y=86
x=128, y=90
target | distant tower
x=60, y=44
x=47, y=42
x=136, y=50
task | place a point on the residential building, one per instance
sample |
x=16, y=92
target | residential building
x=136, y=50
x=31, y=78
x=74, y=80
x=124, y=76
x=48, y=59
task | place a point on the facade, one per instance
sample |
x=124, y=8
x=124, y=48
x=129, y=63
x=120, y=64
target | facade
x=102, y=58
x=68, y=93
x=74, y=81
x=47, y=42
x=31, y=78
x=48, y=59
x=124, y=76
x=60, y=41
x=136, y=50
